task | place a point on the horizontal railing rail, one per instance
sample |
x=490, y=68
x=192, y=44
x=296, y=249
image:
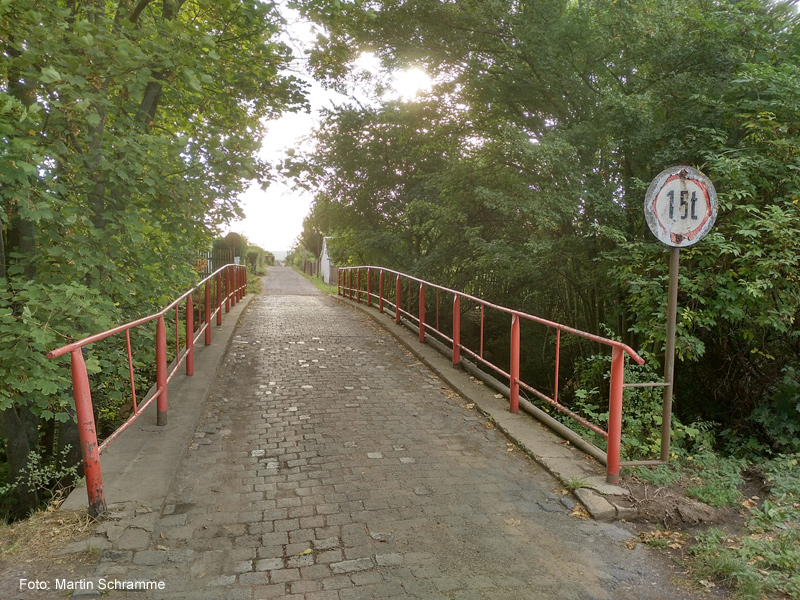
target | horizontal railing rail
x=220, y=290
x=363, y=288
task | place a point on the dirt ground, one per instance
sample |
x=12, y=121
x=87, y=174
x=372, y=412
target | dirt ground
x=42, y=549
x=670, y=508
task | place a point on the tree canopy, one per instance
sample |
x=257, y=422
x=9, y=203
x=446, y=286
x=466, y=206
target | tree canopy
x=128, y=130
x=530, y=158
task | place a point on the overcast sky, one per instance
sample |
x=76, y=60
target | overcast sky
x=274, y=218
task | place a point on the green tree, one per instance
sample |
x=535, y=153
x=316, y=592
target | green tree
x=128, y=130
x=522, y=174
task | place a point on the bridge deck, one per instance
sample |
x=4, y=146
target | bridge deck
x=329, y=463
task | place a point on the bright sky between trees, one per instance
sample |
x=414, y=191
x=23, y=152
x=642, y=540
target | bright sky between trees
x=274, y=217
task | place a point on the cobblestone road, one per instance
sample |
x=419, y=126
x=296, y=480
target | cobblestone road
x=330, y=464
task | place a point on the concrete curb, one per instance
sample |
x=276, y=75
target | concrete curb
x=141, y=464
x=565, y=462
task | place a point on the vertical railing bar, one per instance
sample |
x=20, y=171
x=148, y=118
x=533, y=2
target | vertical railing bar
x=615, y=414
x=189, y=335
x=437, y=309
x=558, y=356
x=227, y=279
x=87, y=431
x=207, y=313
x=514, y=370
x=398, y=293
x=421, y=312
x=234, y=288
x=369, y=286
x=130, y=367
x=380, y=293
x=177, y=331
x=161, y=371
x=456, y=329
x=482, y=307
x=218, y=298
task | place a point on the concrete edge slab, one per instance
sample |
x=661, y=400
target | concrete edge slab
x=129, y=468
x=565, y=462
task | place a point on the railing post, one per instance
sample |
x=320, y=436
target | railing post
x=244, y=282
x=350, y=281
x=234, y=287
x=207, y=339
x=218, y=298
x=358, y=284
x=380, y=293
x=558, y=358
x=339, y=282
x=189, y=335
x=615, y=414
x=456, y=329
x=397, y=291
x=227, y=279
x=514, y=371
x=161, y=371
x=90, y=452
x=369, y=286
x=421, y=312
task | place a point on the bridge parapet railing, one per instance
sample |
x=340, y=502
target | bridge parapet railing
x=384, y=287
x=221, y=290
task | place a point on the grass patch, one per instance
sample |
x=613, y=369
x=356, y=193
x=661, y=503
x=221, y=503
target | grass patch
x=763, y=561
x=35, y=538
x=321, y=285
x=661, y=476
x=253, y=284
x=574, y=483
x=715, y=480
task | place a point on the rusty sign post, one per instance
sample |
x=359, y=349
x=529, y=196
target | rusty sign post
x=680, y=208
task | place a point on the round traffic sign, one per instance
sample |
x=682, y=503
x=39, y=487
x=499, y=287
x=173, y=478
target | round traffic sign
x=680, y=206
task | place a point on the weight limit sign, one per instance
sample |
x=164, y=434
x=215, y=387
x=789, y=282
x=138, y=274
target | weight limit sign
x=680, y=206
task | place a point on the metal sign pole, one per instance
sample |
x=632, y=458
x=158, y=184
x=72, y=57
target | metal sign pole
x=680, y=208
x=669, y=353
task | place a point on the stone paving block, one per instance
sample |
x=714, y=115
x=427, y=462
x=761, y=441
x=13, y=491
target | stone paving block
x=269, y=564
x=389, y=560
x=133, y=539
x=366, y=578
x=257, y=578
x=351, y=566
x=327, y=543
x=337, y=582
x=284, y=575
x=302, y=587
x=300, y=561
x=379, y=470
x=323, y=595
x=149, y=557
x=317, y=571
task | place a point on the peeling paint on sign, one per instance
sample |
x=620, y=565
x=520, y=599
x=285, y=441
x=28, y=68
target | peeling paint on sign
x=680, y=206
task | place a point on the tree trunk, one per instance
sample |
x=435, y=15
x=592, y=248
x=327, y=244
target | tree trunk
x=18, y=426
x=68, y=435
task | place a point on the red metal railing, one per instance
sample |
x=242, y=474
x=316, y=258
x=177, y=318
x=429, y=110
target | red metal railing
x=427, y=324
x=228, y=285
